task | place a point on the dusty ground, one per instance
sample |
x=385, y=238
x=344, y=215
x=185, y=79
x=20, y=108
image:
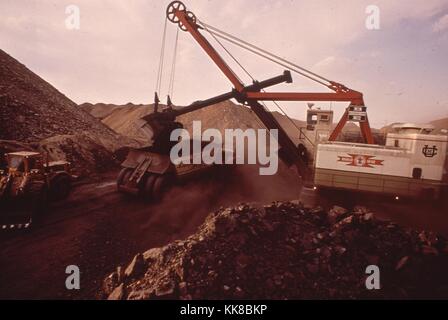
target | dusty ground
x=97, y=229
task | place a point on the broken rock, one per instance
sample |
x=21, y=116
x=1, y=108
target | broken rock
x=288, y=252
x=118, y=293
x=135, y=267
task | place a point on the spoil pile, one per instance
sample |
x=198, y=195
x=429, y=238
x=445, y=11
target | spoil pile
x=284, y=251
x=223, y=115
x=33, y=112
x=86, y=154
x=31, y=109
x=99, y=110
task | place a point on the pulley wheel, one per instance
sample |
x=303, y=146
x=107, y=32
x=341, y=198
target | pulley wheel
x=171, y=10
x=191, y=17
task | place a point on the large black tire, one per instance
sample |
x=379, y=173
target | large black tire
x=120, y=178
x=148, y=187
x=160, y=186
x=60, y=187
x=123, y=176
x=37, y=194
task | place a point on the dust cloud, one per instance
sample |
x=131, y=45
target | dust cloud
x=185, y=207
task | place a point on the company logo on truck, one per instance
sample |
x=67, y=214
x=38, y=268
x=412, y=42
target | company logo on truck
x=429, y=152
x=360, y=160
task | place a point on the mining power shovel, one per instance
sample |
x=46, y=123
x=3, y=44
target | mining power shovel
x=148, y=171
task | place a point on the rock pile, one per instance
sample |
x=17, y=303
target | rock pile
x=86, y=155
x=284, y=251
x=33, y=111
x=221, y=116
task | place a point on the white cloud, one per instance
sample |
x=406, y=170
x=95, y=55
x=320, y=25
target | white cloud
x=325, y=62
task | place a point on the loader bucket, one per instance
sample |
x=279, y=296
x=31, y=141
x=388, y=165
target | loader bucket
x=15, y=215
x=18, y=208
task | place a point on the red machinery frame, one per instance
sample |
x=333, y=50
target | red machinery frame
x=177, y=13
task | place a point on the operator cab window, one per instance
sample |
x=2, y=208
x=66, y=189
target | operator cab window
x=311, y=121
x=324, y=118
x=17, y=163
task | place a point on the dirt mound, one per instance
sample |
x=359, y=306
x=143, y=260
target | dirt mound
x=31, y=109
x=224, y=115
x=86, y=155
x=103, y=110
x=227, y=115
x=122, y=119
x=99, y=110
x=283, y=251
x=440, y=124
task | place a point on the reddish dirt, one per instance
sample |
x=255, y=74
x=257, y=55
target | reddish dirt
x=98, y=229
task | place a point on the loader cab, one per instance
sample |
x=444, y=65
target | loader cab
x=23, y=161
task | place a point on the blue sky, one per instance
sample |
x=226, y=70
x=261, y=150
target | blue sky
x=401, y=68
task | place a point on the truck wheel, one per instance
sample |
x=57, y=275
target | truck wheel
x=123, y=176
x=148, y=188
x=161, y=185
x=60, y=187
x=37, y=194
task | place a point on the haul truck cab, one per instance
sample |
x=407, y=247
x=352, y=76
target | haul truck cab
x=411, y=164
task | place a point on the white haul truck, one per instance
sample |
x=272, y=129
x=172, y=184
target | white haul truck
x=412, y=163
